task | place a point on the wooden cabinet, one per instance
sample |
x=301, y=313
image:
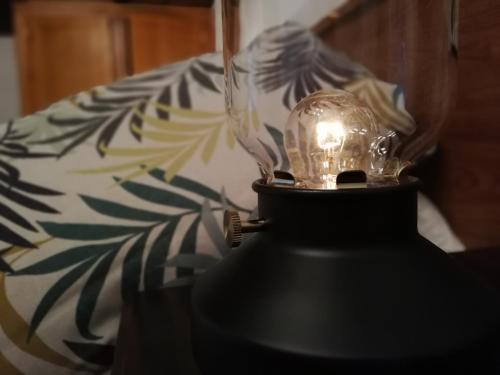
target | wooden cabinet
x=64, y=47
x=175, y=37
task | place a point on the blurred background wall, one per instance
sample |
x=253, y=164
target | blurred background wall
x=9, y=85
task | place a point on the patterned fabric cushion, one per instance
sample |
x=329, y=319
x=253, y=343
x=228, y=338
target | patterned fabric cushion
x=115, y=190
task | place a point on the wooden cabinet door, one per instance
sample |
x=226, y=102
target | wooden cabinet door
x=171, y=35
x=64, y=49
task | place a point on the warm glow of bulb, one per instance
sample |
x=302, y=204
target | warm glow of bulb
x=329, y=134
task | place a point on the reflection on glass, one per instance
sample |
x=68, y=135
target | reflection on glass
x=394, y=58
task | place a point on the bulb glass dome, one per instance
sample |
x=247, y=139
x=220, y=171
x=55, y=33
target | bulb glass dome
x=320, y=87
x=330, y=132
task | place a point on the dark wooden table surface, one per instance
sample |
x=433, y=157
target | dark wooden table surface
x=154, y=333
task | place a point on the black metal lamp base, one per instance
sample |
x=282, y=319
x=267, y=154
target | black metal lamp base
x=342, y=283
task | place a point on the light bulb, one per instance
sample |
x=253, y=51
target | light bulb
x=330, y=132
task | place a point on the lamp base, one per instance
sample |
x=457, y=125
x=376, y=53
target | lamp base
x=340, y=282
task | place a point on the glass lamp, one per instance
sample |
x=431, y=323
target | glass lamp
x=335, y=99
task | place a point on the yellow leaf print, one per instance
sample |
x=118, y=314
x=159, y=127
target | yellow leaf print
x=210, y=145
x=178, y=163
x=230, y=138
x=176, y=126
x=187, y=113
x=184, y=133
x=387, y=113
x=16, y=329
x=126, y=166
x=6, y=368
x=255, y=120
x=130, y=151
x=168, y=137
x=145, y=168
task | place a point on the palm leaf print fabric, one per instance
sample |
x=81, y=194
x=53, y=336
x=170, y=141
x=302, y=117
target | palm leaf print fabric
x=122, y=188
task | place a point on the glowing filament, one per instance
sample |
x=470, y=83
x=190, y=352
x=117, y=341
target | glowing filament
x=329, y=134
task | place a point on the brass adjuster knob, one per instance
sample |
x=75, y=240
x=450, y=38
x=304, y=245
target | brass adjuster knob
x=234, y=227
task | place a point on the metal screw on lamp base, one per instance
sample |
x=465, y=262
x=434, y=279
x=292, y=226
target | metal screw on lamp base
x=340, y=282
x=234, y=227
